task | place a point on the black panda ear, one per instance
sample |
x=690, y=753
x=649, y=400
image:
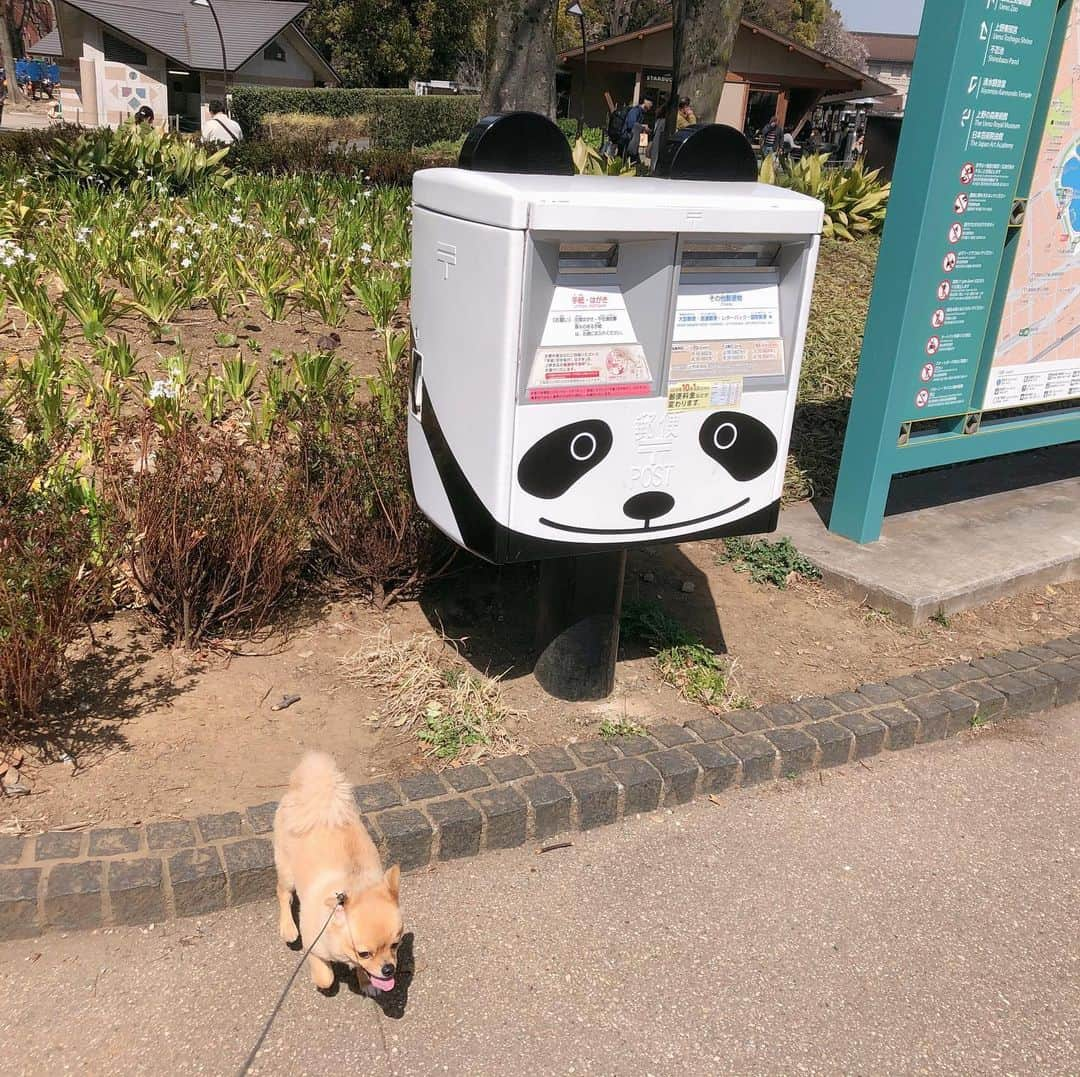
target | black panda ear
x=742, y=445
x=562, y=457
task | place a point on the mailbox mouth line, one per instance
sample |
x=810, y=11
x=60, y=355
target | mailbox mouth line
x=646, y=530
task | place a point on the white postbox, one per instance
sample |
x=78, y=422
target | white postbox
x=603, y=362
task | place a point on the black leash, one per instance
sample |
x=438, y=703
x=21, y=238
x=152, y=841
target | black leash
x=281, y=998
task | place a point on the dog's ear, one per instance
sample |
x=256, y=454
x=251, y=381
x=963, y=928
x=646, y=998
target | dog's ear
x=392, y=878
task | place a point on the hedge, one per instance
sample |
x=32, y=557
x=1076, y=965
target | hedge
x=399, y=123
x=251, y=103
x=276, y=157
x=398, y=118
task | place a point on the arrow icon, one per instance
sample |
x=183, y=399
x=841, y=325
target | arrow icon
x=973, y=84
x=984, y=32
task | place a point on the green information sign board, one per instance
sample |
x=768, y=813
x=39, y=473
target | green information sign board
x=989, y=121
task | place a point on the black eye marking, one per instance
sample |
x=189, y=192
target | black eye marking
x=742, y=445
x=562, y=457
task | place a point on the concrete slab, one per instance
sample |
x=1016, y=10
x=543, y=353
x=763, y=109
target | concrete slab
x=957, y=538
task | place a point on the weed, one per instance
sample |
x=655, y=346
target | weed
x=650, y=624
x=941, y=618
x=457, y=715
x=697, y=672
x=768, y=562
x=610, y=729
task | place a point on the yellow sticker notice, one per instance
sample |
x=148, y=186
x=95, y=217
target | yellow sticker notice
x=701, y=395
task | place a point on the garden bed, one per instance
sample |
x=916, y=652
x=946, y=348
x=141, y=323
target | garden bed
x=202, y=418
x=144, y=732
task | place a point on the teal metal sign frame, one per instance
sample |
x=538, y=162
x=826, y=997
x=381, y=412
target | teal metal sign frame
x=980, y=97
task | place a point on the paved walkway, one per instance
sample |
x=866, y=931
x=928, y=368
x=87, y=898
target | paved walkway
x=917, y=915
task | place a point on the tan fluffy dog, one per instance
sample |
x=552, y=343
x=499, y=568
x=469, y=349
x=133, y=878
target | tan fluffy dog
x=322, y=850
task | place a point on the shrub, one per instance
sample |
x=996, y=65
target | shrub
x=855, y=200
x=367, y=526
x=400, y=123
x=52, y=575
x=591, y=136
x=126, y=155
x=218, y=527
x=251, y=103
x=27, y=146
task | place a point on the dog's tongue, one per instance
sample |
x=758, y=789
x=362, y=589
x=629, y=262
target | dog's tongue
x=380, y=984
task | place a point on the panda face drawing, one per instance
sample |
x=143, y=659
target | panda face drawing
x=568, y=471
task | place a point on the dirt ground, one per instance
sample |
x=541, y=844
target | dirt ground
x=148, y=733
x=198, y=333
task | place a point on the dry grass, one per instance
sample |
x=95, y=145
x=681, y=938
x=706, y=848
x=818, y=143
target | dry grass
x=297, y=125
x=457, y=715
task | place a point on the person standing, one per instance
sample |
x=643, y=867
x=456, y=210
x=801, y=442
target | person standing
x=770, y=136
x=3, y=96
x=686, y=116
x=221, y=127
x=636, y=125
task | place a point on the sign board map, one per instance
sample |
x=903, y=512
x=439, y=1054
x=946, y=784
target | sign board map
x=976, y=303
x=1037, y=358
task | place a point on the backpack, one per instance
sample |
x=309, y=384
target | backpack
x=616, y=123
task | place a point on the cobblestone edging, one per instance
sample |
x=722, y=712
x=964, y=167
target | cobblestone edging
x=142, y=874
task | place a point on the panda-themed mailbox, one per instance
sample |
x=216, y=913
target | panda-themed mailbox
x=601, y=362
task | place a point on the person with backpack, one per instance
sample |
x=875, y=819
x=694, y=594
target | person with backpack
x=615, y=125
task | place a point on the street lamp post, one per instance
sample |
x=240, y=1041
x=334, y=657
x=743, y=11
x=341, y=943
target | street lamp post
x=575, y=10
x=224, y=54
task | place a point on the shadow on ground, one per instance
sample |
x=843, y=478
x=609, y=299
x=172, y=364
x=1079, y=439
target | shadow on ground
x=490, y=611
x=109, y=685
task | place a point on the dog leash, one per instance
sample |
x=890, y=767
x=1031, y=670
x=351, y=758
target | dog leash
x=281, y=998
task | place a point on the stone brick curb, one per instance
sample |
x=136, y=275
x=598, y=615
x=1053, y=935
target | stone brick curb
x=142, y=874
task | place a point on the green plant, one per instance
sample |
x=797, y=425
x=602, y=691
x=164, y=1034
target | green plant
x=650, y=624
x=134, y=156
x=699, y=674
x=400, y=123
x=592, y=136
x=238, y=378
x=768, y=562
x=449, y=735
x=941, y=619
x=611, y=728
x=589, y=161
x=380, y=294
x=251, y=103
x=855, y=200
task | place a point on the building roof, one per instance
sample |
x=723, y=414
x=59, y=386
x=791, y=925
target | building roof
x=899, y=48
x=185, y=32
x=868, y=86
x=49, y=45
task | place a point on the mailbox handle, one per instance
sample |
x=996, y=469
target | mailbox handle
x=416, y=383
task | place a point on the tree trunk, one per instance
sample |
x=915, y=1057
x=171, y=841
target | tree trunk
x=519, y=70
x=705, y=32
x=15, y=94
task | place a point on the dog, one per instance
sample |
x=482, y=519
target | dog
x=323, y=854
